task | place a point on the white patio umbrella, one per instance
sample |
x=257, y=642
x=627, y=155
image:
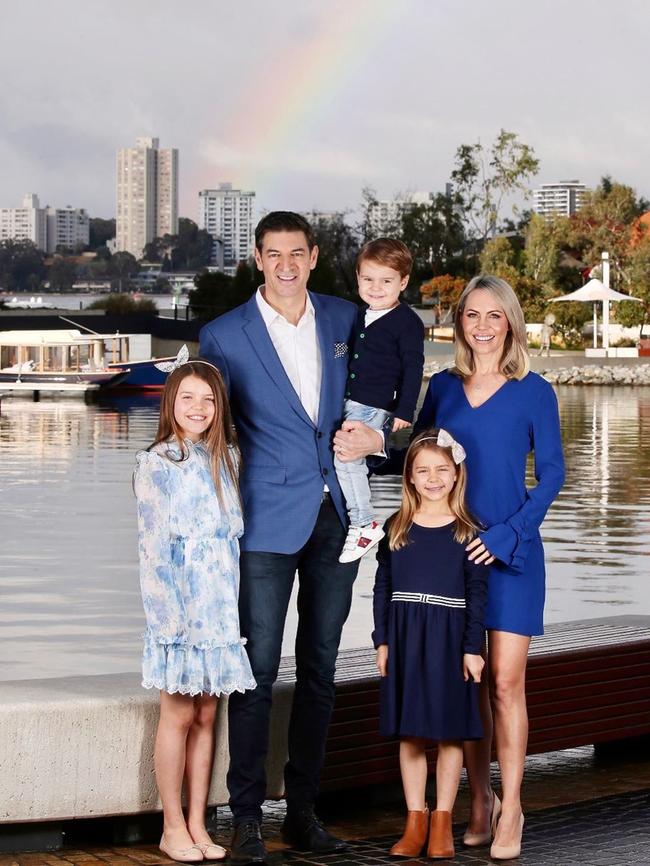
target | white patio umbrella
x=594, y=292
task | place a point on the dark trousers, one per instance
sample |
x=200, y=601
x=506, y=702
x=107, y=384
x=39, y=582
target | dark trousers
x=324, y=598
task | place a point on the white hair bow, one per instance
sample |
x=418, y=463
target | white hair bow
x=446, y=440
x=169, y=366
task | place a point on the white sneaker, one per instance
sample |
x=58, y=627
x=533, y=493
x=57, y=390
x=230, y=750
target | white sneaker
x=361, y=539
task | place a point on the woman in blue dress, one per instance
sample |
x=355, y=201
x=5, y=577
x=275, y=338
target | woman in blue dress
x=189, y=523
x=500, y=412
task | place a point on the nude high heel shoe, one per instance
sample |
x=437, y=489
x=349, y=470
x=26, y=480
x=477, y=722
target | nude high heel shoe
x=441, y=840
x=508, y=852
x=181, y=855
x=415, y=835
x=475, y=840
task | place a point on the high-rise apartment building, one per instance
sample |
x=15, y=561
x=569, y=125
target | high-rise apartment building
x=559, y=199
x=147, y=195
x=227, y=214
x=67, y=227
x=48, y=227
x=26, y=223
x=385, y=214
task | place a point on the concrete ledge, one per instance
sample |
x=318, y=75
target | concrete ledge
x=75, y=747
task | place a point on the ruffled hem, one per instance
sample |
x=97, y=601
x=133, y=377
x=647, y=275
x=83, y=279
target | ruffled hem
x=181, y=668
x=183, y=641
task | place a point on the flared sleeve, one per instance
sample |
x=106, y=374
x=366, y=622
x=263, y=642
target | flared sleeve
x=509, y=541
x=476, y=591
x=161, y=597
x=382, y=593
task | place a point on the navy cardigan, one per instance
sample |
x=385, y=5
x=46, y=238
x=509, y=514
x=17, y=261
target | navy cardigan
x=386, y=362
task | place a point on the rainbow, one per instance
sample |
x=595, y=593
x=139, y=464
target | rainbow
x=293, y=87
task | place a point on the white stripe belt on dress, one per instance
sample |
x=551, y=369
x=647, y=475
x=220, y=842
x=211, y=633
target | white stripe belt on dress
x=426, y=598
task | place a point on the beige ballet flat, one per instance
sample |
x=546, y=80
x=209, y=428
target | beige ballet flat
x=181, y=855
x=211, y=851
x=476, y=840
x=508, y=852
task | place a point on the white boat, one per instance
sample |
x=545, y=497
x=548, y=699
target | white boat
x=56, y=360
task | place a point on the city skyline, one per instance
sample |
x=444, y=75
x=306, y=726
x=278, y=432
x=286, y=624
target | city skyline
x=320, y=101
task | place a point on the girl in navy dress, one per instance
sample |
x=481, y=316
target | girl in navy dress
x=501, y=412
x=429, y=604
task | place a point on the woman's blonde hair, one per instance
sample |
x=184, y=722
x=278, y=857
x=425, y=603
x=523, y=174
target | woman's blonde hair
x=402, y=520
x=220, y=438
x=515, y=361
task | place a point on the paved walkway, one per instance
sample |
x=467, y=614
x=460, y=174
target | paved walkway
x=581, y=808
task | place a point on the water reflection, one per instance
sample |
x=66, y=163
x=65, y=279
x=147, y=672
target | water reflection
x=68, y=572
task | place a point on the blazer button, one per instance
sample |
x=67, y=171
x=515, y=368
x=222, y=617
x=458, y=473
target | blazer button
x=319, y=435
x=325, y=471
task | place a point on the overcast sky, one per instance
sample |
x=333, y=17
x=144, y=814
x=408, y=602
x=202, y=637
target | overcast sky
x=307, y=101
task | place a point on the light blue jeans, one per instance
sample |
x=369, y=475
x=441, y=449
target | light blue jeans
x=353, y=476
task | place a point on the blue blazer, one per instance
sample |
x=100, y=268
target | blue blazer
x=286, y=458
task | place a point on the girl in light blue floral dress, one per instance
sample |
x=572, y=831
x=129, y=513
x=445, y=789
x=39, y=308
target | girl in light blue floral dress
x=189, y=522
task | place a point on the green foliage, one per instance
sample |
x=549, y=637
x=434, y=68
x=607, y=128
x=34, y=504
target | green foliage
x=123, y=304
x=101, y=231
x=216, y=293
x=570, y=316
x=62, y=274
x=497, y=256
x=435, y=235
x=484, y=178
x=190, y=249
x=338, y=248
x=22, y=266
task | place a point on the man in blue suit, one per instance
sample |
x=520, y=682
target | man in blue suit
x=283, y=356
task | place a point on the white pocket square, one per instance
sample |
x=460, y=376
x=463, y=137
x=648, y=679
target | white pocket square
x=340, y=350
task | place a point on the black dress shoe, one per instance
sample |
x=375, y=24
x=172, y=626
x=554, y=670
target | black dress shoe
x=304, y=832
x=247, y=845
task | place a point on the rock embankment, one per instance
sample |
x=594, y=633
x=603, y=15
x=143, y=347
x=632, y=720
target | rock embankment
x=589, y=374
x=594, y=374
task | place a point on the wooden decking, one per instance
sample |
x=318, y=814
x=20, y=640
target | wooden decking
x=588, y=682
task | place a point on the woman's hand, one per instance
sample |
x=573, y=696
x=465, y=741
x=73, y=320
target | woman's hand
x=356, y=440
x=472, y=667
x=478, y=552
x=382, y=660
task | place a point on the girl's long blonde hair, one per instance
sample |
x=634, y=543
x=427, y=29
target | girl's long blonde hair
x=402, y=520
x=515, y=360
x=220, y=438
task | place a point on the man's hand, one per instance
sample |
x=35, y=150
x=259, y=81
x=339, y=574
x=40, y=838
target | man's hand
x=356, y=440
x=382, y=660
x=399, y=424
x=472, y=666
x=478, y=552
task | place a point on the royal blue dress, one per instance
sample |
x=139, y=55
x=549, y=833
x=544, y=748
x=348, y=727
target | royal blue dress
x=522, y=416
x=429, y=607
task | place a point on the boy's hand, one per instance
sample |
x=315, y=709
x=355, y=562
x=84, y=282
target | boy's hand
x=382, y=659
x=473, y=667
x=399, y=424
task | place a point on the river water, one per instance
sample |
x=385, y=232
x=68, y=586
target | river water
x=69, y=597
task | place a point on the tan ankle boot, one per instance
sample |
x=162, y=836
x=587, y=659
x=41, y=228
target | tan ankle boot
x=415, y=835
x=441, y=840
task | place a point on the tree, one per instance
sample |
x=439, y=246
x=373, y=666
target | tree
x=62, y=274
x=216, y=293
x=22, y=266
x=632, y=314
x=338, y=248
x=485, y=178
x=444, y=291
x=189, y=249
x=435, y=235
x=498, y=257
x=101, y=231
x=570, y=317
x=123, y=266
x=542, y=250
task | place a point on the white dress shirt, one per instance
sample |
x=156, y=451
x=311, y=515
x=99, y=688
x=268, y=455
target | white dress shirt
x=298, y=350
